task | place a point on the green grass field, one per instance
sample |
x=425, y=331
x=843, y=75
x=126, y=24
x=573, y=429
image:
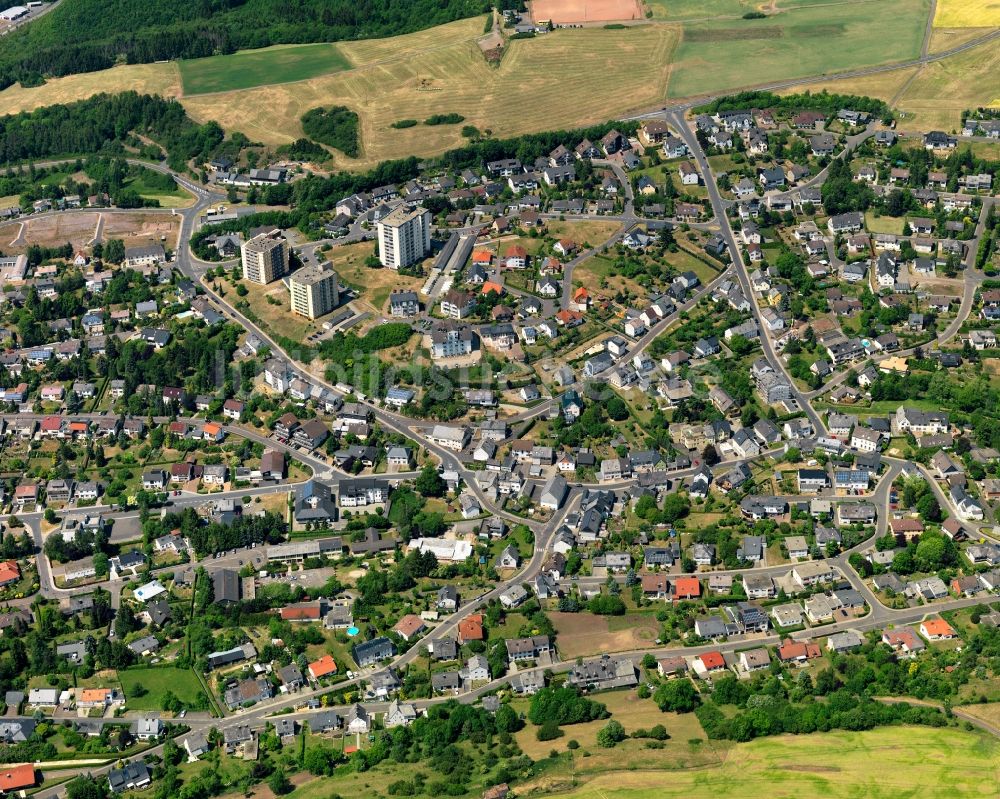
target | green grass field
x=283, y=64
x=157, y=681
x=728, y=53
x=892, y=762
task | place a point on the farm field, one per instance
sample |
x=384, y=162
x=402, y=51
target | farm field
x=946, y=38
x=967, y=14
x=582, y=634
x=879, y=764
x=163, y=78
x=942, y=90
x=882, y=85
x=990, y=713
x=157, y=681
x=536, y=87
x=695, y=9
x=244, y=70
x=719, y=55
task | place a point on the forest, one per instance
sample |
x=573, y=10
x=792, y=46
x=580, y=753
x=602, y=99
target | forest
x=103, y=124
x=336, y=126
x=90, y=35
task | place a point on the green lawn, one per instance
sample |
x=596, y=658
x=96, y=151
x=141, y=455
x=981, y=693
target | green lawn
x=884, y=224
x=157, y=681
x=166, y=198
x=729, y=53
x=244, y=70
x=684, y=261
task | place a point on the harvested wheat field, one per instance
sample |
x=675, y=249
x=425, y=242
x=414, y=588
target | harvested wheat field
x=536, y=87
x=163, y=79
x=942, y=90
x=881, y=85
x=947, y=38
x=879, y=764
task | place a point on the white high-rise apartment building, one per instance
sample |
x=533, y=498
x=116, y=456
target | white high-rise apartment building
x=404, y=236
x=314, y=290
x=265, y=258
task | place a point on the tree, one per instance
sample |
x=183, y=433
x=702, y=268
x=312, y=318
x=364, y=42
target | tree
x=610, y=734
x=85, y=788
x=676, y=696
x=617, y=409
x=928, y=508
x=114, y=251
x=429, y=483
x=675, y=506
x=279, y=783
x=710, y=455
x=549, y=731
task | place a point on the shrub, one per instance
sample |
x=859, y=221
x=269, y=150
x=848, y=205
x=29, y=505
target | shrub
x=444, y=119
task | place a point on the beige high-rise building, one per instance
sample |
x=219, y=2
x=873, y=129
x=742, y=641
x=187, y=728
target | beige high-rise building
x=404, y=236
x=314, y=290
x=265, y=258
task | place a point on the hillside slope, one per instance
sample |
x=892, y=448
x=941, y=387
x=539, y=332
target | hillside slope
x=88, y=35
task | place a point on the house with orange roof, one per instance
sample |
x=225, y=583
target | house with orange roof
x=569, y=318
x=482, y=257
x=212, y=432
x=708, y=663
x=936, y=630
x=94, y=697
x=515, y=257
x=79, y=429
x=797, y=651
x=471, y=629
x=10, y=573
x=409, y=627
x=686, y=588
x=323, y=667
x=581, y=299
x=17, y=778
x=490, y=287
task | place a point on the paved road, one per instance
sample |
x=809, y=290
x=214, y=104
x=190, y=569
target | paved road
x=736, y=253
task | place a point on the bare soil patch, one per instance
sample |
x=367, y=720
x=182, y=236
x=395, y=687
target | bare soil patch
x=563, y=12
